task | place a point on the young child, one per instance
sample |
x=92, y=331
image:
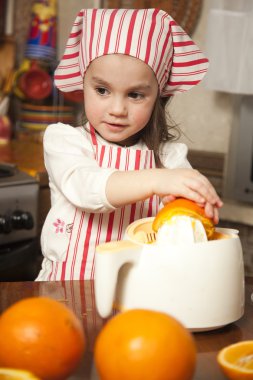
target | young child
x=122, y=163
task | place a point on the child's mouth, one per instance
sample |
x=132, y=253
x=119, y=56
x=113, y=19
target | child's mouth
x=116, y=126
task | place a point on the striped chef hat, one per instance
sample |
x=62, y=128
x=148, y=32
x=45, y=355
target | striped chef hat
x=150, y=35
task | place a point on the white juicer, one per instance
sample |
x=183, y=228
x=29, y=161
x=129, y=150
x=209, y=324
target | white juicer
x=201, y=284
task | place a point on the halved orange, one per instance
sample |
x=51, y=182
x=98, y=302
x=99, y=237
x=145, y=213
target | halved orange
x=236, y=360
x=182, y=206
x=16, y=374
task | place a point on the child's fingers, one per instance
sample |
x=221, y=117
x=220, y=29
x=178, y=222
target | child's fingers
x=201, y=185
x=187, y=183
x=216, y=215
x=212, y=212
x=167, y=199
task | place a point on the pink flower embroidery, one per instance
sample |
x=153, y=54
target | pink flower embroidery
x=59, y=224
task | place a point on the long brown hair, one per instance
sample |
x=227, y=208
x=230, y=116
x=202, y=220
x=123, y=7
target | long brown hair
x=159, y=129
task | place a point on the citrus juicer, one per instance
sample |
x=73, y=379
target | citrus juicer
x=201, y=284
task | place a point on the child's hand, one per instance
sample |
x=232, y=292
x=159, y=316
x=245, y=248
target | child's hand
x=187, y=183
x=212, y=212
x=126, y=187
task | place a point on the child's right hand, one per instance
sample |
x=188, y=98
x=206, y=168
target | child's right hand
x=187, y=183
x=126, y=187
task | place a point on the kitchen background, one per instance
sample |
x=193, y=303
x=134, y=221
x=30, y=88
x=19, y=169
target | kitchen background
x=215, y=117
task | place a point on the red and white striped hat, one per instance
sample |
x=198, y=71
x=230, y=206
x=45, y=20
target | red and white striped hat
x=147, y=34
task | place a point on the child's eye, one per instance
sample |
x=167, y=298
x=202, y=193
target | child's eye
x=135, y=95
x=102, y=91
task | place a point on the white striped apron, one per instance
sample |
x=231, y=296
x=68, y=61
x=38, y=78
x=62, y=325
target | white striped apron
x=91, y=229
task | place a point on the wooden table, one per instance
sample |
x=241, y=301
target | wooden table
x=79, y=296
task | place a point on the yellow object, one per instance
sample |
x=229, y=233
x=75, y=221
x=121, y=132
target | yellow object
x=144, y=344
x=236, y=360
x=16, y=374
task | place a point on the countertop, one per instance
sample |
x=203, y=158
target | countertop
x=79, y=296
x=28, y=156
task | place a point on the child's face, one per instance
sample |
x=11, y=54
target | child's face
x=119, y=96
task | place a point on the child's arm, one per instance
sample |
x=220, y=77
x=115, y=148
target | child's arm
x=128, y=187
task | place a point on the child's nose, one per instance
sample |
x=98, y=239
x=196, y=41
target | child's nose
x=118, y=107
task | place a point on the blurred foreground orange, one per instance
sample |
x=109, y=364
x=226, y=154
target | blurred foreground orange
x=144, y=344
x=236, y=360
x=42, y=336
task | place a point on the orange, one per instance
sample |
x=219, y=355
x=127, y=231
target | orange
x=236, y=360
x=42, y=336
x=144, y=344
x=16, y=374
x=182, y=206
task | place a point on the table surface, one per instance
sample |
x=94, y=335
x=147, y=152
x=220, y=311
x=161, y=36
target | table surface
x=79, y=296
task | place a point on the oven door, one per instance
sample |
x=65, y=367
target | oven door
x=20, y=261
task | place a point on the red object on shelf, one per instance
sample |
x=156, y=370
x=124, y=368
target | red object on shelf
x=35, y=83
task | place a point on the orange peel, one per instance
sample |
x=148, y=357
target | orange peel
x=182, y=206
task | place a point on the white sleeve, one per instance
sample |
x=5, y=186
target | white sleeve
x=73, y=170
x=174, y=155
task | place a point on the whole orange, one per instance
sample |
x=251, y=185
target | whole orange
x=144, y=344
x=43, y=336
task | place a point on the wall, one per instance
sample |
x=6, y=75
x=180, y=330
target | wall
x=205, y=116
x=67, y=11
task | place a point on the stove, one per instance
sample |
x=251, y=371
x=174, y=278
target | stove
x=18, y=223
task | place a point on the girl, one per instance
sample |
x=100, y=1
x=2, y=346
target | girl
x=117, y=167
